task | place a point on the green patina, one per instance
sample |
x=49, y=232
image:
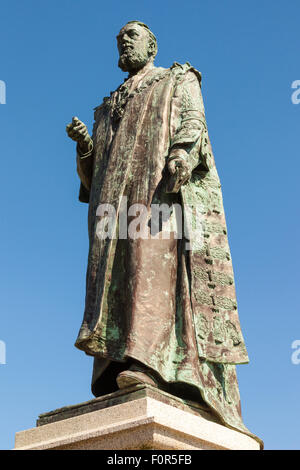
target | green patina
x=171, y=309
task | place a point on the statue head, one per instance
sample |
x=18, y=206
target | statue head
x=137, y=46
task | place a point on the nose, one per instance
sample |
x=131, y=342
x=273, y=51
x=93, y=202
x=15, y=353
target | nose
x=125, y=40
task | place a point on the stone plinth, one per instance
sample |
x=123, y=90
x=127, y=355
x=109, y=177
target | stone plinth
x=135, y=418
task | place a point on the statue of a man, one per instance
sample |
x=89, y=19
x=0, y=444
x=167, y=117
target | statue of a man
x=158, y=310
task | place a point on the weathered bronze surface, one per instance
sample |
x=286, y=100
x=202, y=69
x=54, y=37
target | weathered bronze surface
x=153, y=302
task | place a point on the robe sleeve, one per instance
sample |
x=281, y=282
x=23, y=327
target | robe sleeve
x=84, y=170
x=85, y=162
x=187, y=117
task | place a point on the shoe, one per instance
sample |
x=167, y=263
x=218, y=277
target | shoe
x=128, y=378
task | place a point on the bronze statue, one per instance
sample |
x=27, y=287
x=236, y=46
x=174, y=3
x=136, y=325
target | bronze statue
x=158, y=310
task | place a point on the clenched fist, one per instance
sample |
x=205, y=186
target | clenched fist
x=180, y=168
x=180, y=172
x=77, y=131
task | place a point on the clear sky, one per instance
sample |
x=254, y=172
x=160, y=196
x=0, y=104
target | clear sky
x=58, y=59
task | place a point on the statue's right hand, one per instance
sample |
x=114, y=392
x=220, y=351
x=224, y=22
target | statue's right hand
x=78, y=132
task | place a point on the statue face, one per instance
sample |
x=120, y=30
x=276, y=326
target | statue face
x=134, y=48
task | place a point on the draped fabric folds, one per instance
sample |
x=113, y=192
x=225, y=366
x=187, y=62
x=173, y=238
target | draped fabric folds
x=168, y=303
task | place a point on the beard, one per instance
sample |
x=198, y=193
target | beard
x=131, y=60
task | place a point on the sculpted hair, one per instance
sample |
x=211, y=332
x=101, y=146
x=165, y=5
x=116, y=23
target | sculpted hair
x=152, y=37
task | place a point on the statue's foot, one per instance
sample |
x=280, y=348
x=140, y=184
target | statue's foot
x=128, y=378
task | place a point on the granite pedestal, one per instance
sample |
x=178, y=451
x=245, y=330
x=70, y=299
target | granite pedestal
x=139, y=417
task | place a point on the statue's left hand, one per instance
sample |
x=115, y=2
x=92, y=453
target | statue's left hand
x=181, y=168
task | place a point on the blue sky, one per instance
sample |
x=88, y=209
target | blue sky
x=58, y=59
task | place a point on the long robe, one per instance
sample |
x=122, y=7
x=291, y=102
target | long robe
x=166, y=303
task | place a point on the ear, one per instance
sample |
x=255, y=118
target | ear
x=151, y=48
